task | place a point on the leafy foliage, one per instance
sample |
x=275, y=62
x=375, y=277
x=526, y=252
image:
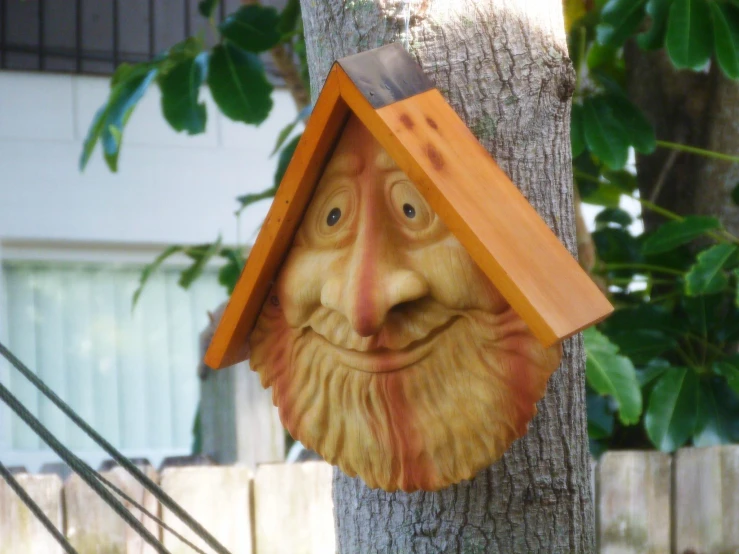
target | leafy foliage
x=234, y=73
x=675, y=289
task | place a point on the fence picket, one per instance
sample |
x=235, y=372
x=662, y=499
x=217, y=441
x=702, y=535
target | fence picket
x=219, y=498
x=20, y=531
x=707, y=500
x=294, y=510
x=93, y=527
x=634, y=502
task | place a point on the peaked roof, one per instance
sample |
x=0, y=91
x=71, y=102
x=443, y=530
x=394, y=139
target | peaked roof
x=389, y=93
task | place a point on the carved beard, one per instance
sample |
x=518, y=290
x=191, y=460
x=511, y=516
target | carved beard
x=428, y=425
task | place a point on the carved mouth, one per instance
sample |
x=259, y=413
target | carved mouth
x=385, y=360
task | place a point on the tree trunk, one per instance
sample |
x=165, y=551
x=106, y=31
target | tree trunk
x=503, y=66
x=693, y=108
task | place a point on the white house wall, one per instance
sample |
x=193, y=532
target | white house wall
x=170, y=188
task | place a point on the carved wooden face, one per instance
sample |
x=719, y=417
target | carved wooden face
x=390, y=353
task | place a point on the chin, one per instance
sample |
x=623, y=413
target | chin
x=428, y=402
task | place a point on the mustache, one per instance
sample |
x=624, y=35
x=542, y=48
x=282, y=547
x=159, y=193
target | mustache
x=404, y=325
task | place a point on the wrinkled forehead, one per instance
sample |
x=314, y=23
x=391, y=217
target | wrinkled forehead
x=358, y=151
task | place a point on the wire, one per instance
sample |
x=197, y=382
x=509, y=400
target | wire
x=124, y=462
x=37, y=511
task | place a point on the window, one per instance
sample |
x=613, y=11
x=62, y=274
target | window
x=131, y=374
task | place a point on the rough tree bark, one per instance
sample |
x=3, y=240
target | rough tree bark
x=503, y=65
x=694, y=108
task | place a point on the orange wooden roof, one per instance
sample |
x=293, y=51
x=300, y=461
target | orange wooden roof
x=505, y=236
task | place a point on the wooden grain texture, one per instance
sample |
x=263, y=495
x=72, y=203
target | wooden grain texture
x=634, y=502
x=293, y=509
x=707, y=500
x=93, y=527
x=487, y=213
x=229, y=345
x=20, y=531
x=219, y=498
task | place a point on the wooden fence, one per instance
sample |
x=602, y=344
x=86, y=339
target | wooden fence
x=646, y=502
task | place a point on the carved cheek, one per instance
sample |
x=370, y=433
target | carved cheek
x=300, y=281
x=454, y=278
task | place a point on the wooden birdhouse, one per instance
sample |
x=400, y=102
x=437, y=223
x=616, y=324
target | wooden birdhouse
x=402, y=290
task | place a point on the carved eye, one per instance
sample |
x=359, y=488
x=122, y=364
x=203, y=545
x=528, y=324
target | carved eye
x=333, y=217
x=410, y=207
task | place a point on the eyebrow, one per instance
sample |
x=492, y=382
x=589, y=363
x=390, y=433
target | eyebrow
x=344, y=164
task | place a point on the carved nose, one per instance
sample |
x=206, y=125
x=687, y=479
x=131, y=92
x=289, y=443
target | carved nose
x=370, y=285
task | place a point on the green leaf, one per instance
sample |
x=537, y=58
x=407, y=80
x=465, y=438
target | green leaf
x=285, y=133
x=611, y=374
x=602, y=194
x=604, y=134
x=623, y=179
x=284, y=160
x=620, y=19
x=735, y=194
x=248, y=199
x=252, y=28
x=654, y=369
x=689, y=41
x=735, y=273
x=207, y=7
x=726, y=38
x=616, y=246
x=676, y=233
x=620, y=217
x=229, y=274
x=180, y=88
x=707, y=275
x=201, y=257
x=729, y=369
x=634, y=124
x=131, y=82
x=600, y=416
x=654, y=37
x=577, y=135
x=712, y=426
x=672, y=411
x=93, y=134
x=642, y=345
x=149, y=270
x=289, y=17
x=239, y=86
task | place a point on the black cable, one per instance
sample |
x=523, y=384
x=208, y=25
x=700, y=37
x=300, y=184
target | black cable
x=146, y=512
x=80, y=467
x=141, y=477
x=37, y=511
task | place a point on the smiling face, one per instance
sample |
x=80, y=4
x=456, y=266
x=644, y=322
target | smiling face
x=391, y=354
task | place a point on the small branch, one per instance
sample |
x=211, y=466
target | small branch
x=698, y=151
x=669, y=162
x=288, y=69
